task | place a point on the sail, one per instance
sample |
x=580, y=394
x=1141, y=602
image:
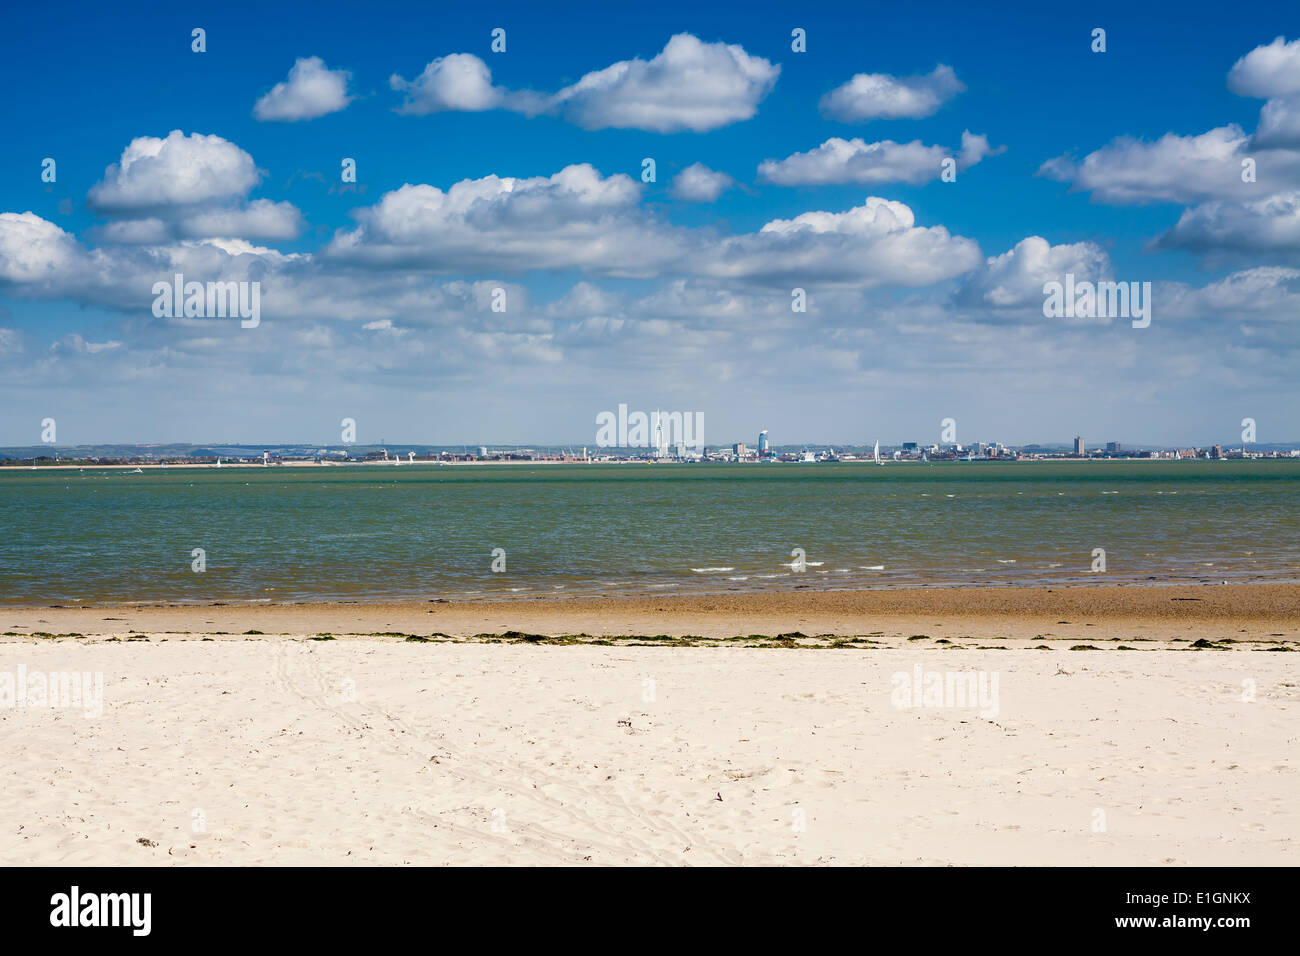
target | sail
x=876, y=453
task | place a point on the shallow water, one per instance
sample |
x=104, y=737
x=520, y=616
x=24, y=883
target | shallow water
x=423, y=531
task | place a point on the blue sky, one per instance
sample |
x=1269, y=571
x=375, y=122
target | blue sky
x=925, y=305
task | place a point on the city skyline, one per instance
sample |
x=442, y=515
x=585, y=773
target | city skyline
x=912, y=447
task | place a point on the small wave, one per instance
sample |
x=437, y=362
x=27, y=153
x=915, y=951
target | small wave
x=1005, y=561
x=739, y=577
x=707, y=570
x=871, y=567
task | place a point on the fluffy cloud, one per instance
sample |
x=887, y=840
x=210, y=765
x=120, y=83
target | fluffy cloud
x=1279, y=124
x=1272, y=72
x=311, y=90
x=1186, y=169
x=1267, y=224
x=1237, y=214
x=578, y=219
x=1172, y=169
x=260, y=219
x=33, y=250
x=187, y=187
x=1265, y=292
x=179, y=170
x=459, y=81
x=573, y=219
x=1016, y=277
x=1179, y=169
x=690, y=85
x=877, y=243
x=1267, y=71
x=40, y=261
x=698, y=183
x=871, y=96
x=856, y=161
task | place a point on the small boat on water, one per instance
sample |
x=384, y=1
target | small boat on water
x=875, y=453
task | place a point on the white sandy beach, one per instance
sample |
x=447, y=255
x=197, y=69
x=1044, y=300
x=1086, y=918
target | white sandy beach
x=371, y=750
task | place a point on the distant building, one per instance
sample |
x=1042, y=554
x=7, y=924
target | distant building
x=1112, y=448
x=482, y=451
x=739, y=449
x=1078, y=447
x=910, y=447
x=1217, y=452
x=762, y=443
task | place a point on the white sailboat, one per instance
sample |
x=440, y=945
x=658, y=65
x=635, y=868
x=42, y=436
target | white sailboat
x=875, y=453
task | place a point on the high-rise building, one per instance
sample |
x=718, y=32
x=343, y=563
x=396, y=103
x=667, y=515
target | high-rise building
x=1112, y=448
x=1078, y=447
x=739, y=449
x=762, y=443
x=661, y=440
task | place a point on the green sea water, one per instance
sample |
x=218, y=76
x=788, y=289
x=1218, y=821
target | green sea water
x=427, y=532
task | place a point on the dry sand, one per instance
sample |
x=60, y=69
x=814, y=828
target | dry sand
x=274, y=748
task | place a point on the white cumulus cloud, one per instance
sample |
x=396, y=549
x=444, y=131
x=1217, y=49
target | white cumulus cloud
x=871, y=96
x=1016, y=277
x=690, y=85
x=33, y=249
x=857, y=161
x=458, y=81
x=1266, y=224
x=1171, y=169
x=1267, y=71
x=177, y=170
x=311, y=90
x=698, y=183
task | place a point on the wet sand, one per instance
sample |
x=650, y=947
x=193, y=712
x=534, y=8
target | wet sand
x=1258, y=611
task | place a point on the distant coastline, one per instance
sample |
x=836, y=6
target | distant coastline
x=24, y=465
